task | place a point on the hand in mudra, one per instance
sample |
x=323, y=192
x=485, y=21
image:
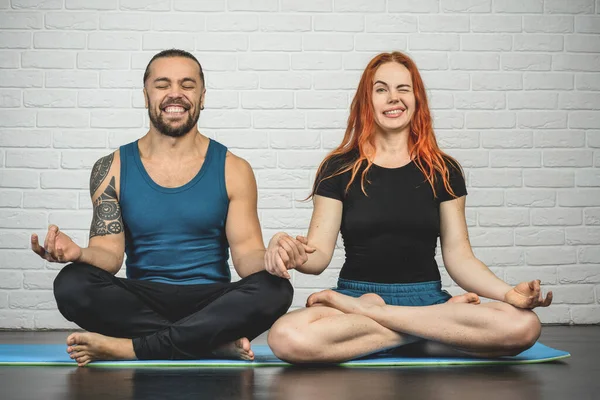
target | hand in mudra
x=58, y=247
x=528, y=295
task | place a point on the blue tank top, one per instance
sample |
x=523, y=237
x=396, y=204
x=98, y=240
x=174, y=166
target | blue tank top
x=175, y=235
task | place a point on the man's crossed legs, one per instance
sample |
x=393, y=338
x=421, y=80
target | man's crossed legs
x=129, y=319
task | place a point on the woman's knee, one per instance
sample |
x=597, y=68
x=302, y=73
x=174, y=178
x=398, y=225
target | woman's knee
x=529, y=328
x=289, y=344
x=525, y=329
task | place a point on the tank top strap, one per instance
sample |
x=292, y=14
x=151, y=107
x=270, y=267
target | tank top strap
x=219, y=155
x=126, y=154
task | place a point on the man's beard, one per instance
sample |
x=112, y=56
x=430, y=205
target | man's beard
x=164, y=128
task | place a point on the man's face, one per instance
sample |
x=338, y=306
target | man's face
x=174, y=95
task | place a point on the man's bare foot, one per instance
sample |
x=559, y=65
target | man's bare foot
x=238, y=350
x=346, y=304
x=85, y=347
x=469, y=298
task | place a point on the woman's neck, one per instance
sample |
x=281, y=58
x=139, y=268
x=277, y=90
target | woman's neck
x=391, y=149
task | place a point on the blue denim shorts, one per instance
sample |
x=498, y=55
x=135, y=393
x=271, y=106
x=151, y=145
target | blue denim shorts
x=397, y=294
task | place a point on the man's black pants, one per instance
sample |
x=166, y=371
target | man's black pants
x=169, y=321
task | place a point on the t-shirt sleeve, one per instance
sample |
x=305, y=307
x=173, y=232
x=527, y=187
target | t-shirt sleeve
x=456, y=182
x=328, y=185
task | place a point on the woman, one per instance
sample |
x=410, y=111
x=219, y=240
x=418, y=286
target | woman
x=392, y=192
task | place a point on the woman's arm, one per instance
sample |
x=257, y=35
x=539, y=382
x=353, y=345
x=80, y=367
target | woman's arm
x=322, y=234
x=464, y=268
x=286, y=253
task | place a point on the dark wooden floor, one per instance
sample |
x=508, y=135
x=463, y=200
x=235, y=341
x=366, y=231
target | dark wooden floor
x=577, y=377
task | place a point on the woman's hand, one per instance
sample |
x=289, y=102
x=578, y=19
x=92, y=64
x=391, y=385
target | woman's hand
x=528, y=295
x=285, y=253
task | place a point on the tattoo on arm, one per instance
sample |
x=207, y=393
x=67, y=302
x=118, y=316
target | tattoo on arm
x=99, y=172
x=107, y=218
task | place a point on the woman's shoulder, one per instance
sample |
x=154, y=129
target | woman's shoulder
x=451, y=162
x=336, y=162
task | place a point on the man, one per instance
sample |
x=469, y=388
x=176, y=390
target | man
x=174, y=201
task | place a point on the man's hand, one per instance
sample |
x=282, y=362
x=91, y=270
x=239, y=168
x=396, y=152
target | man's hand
x=285, y=252
x=58, y=247
x=528, y=295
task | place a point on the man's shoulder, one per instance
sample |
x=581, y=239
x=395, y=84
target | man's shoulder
x=237, y=163
x=106, y=166
x=107, y=161
x=239, y=176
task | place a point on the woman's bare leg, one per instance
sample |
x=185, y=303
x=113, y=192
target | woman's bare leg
x=324, y=334
x=491, y=329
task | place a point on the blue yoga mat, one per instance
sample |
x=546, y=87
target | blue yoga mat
x=56, y=355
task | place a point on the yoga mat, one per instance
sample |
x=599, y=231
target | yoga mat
x=56, y=355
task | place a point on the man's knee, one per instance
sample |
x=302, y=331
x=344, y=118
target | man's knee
x=71, y=289
x=280, y=287
x=276, y=291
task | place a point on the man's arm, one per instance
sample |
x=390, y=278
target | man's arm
x=107, y=240
x=242, y=227
x=107, y=237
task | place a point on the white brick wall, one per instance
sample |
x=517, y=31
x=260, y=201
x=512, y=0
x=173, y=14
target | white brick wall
x=514, y=88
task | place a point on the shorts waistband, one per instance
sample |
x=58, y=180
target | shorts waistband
x=390, y=288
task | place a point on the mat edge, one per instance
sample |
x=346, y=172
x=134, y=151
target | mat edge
x=121, y=364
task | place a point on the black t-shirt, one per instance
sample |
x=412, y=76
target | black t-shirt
x=391, y=234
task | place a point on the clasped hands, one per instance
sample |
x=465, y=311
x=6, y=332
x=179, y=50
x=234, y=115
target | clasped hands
x=285, y=252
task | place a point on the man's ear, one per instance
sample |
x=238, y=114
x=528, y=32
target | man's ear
x=145, y=98
x=202, y=97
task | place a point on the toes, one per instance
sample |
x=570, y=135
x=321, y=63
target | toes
x=321, y=297
x=83, y=361
x=78, y=354
x=76, y=349
x=468, y=298
x=249, y=356
x=243, y=344
x=246, y=344
x=72, y=339
x=312, y=299
x=473, y=298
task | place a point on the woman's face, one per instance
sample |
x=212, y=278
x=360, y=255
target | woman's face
x=393, y=97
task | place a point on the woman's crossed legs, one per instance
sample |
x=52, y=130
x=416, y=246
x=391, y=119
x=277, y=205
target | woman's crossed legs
x=336, y=327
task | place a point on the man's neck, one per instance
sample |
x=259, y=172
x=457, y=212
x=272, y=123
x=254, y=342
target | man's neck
x=156, y=145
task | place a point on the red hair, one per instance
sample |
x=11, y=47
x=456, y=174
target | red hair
x=360, y=132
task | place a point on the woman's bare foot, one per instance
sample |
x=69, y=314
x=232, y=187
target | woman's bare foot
x=372, y=298
x=85, y=347
x=238, y=350
x=346, y=304
x=469, y=298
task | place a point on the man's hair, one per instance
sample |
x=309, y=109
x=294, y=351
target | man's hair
x=173, y=53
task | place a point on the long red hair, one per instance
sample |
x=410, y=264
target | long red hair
x=360, y=132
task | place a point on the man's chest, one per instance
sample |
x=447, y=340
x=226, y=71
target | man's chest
x=172, y=175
